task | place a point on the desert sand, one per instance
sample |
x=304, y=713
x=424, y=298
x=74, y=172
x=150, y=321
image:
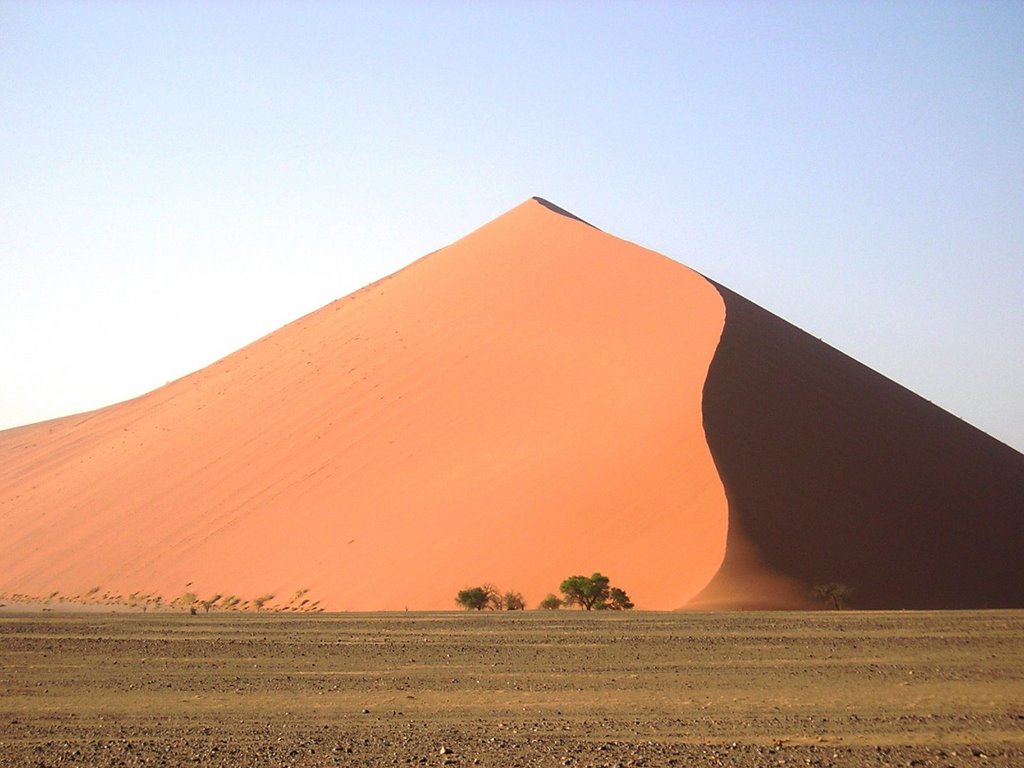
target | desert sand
x=536, y=400
x=515, y=408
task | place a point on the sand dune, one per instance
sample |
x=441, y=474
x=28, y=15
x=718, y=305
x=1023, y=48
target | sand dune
x=836, y=473
x=528, y=403
x=515, y=408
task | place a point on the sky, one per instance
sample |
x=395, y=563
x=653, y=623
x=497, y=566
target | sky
x=179, y=179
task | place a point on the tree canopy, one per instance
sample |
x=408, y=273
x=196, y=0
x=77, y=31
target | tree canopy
x=473, y=598
x=551, y=603
x=513, y=601
x=488, y=596
x=618, y=600
x=594, y=592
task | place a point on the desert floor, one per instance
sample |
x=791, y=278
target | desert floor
x=526, y=689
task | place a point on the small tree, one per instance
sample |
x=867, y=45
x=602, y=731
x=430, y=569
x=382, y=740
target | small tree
x=513, y=601
x=495, y=600
x=838, y=594
x=619, y=600
x=550, y=603
x=587, y=592
x=473, y=598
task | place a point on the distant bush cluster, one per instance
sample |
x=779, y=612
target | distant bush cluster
x=189, y=601
x=591, y=593
x=487, y=596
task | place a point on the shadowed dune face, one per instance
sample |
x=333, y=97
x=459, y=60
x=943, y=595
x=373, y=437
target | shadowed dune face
x=837, y=474
x=520, y=406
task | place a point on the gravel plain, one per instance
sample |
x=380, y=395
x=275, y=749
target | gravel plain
x=513, y=689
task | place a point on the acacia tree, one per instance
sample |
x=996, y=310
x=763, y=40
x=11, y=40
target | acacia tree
x=473, y=598
x=495, y=600
x=618, y=600
x=838, y=593
x=487, y=596
x=588, y=592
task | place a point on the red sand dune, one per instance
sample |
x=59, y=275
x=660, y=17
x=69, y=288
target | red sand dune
x=528, y=403
x=515, y=408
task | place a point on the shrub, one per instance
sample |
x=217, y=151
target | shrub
x=209, y=602
x=495, y=601
x=262, y=600
x=550, y=603
x=513, y=601
x=488, y=596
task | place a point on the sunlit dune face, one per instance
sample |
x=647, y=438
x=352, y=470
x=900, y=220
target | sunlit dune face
x=518, y=407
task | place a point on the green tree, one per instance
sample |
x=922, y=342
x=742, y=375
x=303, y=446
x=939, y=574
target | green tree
x=838, y=594
x=550, y=603
x=473, y=598
x=593, y=593
x=588, y=592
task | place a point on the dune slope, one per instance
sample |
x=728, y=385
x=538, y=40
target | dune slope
x=520, y=406
x=838, y=474
x=536, y=400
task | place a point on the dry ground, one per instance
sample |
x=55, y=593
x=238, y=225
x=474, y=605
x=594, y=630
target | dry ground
x=545, y=689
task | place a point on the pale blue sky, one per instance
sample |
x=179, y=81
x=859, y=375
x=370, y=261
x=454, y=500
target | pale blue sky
x=178, y=179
